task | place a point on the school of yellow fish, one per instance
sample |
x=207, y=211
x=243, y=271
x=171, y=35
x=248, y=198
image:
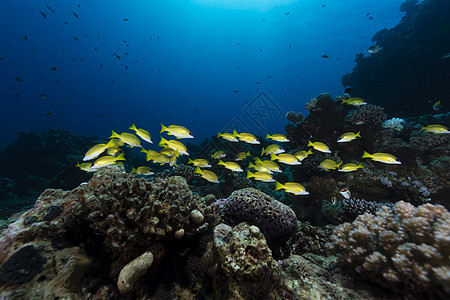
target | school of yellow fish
x=263, y=168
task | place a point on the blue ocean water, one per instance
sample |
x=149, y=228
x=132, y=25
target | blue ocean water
x=93, y=66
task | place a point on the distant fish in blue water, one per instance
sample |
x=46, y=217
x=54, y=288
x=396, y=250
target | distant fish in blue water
x=44, y=96
x=76, y=15
x=18, y=79
x=374, y=49
x=288, y=13
x=125, y=20
x=50, y=9
x=44, y=15
x=437, y=105
x=325, y=56
x=54, y=68
x=446, y=56
x=76, y=39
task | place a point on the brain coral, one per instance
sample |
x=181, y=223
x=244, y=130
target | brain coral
x=276, y=220
x=405, y=248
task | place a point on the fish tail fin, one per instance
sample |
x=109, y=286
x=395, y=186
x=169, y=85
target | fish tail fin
x=366, y=155
x=219, y=134
x=235, y=133
x=358, y=134
x=273, y=156
x=110, y=144
x=248, y=153
x=344, y=101
x=198, y=171
x=360, y=166
x=258, y=161
x=250, y=165
x=162, y=142
x=120, y=157
x=133, y=169
x=423, y=128
x=278, y=186
x=133, y=127
x=250, y=174
x=163, y=128
x=268, y=136
x=78, y=165
x=143, y=150
x=221, y=162
x=262, y=151
x=114, y=135
x=309, y=152
x=190, y=161
x=310, y=143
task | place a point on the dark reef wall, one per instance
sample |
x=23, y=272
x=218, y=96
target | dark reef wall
x=410, y=69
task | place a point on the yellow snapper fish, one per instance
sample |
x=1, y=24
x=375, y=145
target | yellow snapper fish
x=98, y=149
x=356, y=101
x=319, y=146
x=350, y=167
x=114, y=150
x=436, y=129
x=329, y=164
x=382, y=157
x=179, y=132
x=228, y=136
x=149, y=153
x=208, y=175
x=144, y=170
x=286, y=158
x=277, y=137
x=261, y=176
x=127, y=138
x=167, y=151
x=118, y=142
x=247, y=137
x=272, y=149
x=175, y=145
x=173, y=158
x=301, y=155
x=160, y=158
x=260, y=168
x=143, y=134
x=242, y=155
x=348, y=136
x=231, y=166
x=107, y=161
x=271, y=165
x=218, y=155
x=86, y=167
x=199, y=162
x=291, y=187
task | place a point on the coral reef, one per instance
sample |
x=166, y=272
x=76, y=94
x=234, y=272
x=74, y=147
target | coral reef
x=294, y=118
x=369, y=115
x=108, y=222
x=276, y=220
x=394, y=76
x=395, y=124
x=406, y=248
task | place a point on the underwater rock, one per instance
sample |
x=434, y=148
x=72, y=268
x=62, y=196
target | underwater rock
x=71, y=266
x=406, y=248
x=133, y=270
x=22, y=266
x=369, y=115
x=276, y=220
x=52, y=212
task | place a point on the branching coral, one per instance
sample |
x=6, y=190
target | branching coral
x=405, y=247
x=294, y=118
